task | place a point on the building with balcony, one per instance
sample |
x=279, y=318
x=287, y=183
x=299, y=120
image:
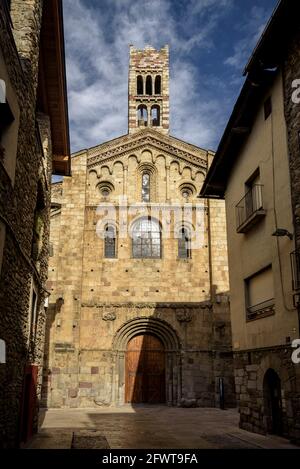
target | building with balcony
x=253, y=169
x=34, y=143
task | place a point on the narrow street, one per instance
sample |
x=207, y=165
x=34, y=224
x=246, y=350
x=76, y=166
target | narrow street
x=145, y=427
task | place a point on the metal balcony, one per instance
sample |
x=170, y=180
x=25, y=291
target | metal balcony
x=250, y=209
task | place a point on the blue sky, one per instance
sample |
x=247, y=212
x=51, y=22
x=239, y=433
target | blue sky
x=210, y=42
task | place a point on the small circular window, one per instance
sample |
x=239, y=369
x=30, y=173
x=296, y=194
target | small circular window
x=105, y=192
x=187, y=191
x=105, y=189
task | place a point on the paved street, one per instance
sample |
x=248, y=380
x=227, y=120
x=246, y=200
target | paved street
x=154, y=427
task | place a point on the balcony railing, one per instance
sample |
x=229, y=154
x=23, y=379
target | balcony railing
x=261, y=310
x=250, y=209
x=295, y=264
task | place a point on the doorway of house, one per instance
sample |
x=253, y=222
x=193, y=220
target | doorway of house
x=273, y=402
x=145, y=370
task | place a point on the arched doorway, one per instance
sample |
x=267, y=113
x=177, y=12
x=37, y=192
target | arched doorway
x=167, y=336
x=145, y=370
x=272, y=402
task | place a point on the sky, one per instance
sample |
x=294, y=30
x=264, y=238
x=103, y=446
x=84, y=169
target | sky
x=210, y=43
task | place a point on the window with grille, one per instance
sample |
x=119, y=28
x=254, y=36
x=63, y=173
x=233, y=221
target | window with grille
x=110, y=242
x=146, y=239
x=184, y=244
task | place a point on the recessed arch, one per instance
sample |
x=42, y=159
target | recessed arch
x=172, y=345
x=146, y=325
x=118, y=162
x=105, y=170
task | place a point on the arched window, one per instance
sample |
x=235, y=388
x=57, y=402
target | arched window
x=139, y=85
x=157, y=86
x=142, y=115
x=146, y=186
x=149, y=85
x=110, y=242
x=184, y=244
x=155, y=115
x=146, y=239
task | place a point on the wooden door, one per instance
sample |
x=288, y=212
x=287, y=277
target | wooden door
x=145, y=370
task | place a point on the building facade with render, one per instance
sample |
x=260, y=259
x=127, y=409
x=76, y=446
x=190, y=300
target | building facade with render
x=139, y=307
x=34, y=143
x=256, y=170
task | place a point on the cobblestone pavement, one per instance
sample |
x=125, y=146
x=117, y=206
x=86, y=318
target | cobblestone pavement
x=148, y=427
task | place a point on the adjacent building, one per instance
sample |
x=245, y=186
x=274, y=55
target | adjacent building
x=256, y=170
x=138, y=276
x=34, y=143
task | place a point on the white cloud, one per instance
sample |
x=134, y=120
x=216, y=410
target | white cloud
x=251, y=31
x=97, y=49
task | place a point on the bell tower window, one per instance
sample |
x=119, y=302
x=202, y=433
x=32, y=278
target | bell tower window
x=139, y=85
x=155, y=116
x=157, y=86
x=142, y=115
x=149, y=85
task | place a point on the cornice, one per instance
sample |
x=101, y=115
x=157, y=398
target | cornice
x=127, y=145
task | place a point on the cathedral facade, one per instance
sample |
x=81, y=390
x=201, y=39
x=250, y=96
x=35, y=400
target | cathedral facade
x=139, y=308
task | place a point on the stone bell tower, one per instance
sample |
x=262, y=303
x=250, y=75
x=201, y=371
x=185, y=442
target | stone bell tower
x=148, y=96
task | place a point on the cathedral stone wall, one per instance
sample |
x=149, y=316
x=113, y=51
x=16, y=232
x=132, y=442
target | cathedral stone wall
x=104, y=295
x=97, y=304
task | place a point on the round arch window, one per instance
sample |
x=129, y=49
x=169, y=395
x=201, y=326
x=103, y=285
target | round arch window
x=146, y=239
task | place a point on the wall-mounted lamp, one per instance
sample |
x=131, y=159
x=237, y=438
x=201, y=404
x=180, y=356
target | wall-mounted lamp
x=281, y=232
